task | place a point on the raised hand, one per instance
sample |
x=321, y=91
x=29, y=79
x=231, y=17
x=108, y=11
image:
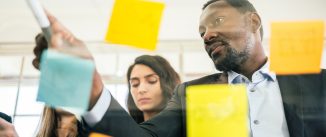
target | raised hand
x=64, y=41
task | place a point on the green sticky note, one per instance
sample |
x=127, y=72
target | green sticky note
x=65, y=80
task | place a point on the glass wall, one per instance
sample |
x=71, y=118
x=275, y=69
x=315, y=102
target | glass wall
x=19, y=79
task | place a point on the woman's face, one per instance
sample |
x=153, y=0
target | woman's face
x=145, y=88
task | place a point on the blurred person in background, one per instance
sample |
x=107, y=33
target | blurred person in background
x=54, y=122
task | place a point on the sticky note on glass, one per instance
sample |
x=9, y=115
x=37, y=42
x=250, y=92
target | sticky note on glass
x=296, y=47
x=65, y=80
x=135, y=23
x=217, y=111
x=98, y=135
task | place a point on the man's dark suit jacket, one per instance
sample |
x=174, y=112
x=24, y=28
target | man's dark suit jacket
x=303, y=99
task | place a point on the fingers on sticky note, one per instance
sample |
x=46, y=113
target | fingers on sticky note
x=65, y=80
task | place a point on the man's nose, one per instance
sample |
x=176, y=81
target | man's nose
x=209, y=36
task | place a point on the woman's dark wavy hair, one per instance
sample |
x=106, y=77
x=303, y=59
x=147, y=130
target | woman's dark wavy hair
x=49, y=117
x=41, y=45
x=169, y=79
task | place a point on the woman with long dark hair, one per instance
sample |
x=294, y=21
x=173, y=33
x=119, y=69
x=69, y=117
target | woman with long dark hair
x=151, y=81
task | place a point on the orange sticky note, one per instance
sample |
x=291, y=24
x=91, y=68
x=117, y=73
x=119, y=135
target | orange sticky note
x=296, y=47
x=217, y=111
x=98, y=135
x=135, y=23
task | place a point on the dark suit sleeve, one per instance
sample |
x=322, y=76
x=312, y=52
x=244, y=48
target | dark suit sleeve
x=5, y=117
x=117, y=122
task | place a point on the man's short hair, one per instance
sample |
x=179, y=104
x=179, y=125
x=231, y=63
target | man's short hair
x=242, y=6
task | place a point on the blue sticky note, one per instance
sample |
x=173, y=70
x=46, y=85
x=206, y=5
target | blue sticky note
x=65, y=80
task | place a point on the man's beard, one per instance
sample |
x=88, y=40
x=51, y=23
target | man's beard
x=232, y=60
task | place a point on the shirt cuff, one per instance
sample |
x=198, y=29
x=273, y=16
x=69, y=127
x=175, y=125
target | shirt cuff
x=95, y=115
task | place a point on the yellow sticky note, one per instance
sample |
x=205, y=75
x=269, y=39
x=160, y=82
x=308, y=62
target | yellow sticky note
x=296, y=47
x=98, y=135
x=135, y=23
x=217, y=111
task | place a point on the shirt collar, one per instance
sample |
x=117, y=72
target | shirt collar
x=266, y=72
x=234, y=77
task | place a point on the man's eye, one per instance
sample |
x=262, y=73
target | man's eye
x=219, y=20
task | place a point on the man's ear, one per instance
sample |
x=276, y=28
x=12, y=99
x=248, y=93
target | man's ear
x=255, y=22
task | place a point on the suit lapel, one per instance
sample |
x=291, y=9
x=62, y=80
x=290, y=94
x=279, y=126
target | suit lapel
x=304, y=104
x=291, y=98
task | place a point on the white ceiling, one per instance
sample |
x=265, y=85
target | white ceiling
x=88, y=19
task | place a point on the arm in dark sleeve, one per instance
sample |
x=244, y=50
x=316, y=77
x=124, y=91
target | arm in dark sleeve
x=169, y=123
x=5, y=117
